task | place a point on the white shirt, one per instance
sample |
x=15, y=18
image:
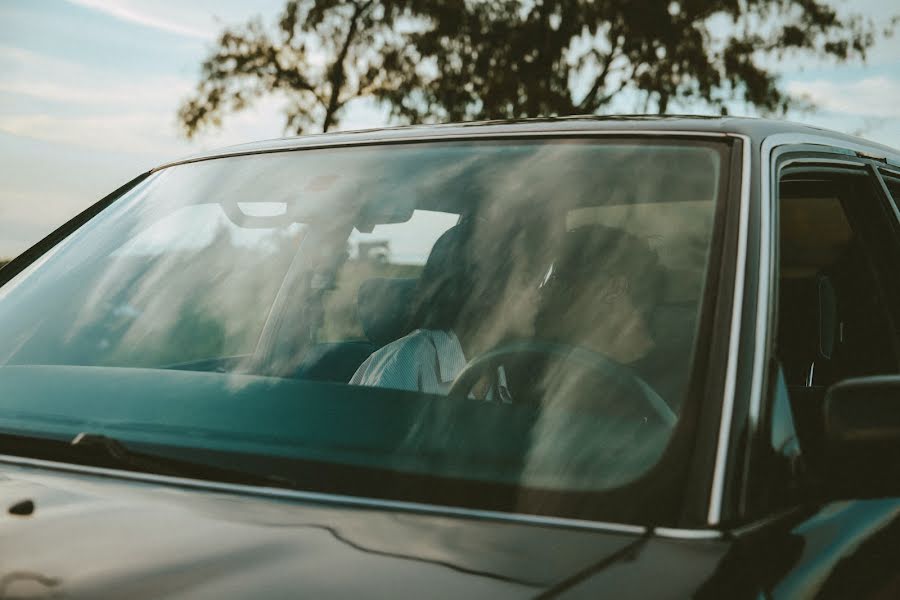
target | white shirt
x=426, y=360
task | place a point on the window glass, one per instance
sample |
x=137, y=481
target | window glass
x=833, y=321
x=893, y=184
x=836, y=315
x=317, y=307
x=389, y=251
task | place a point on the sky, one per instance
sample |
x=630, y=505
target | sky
x=89, y=91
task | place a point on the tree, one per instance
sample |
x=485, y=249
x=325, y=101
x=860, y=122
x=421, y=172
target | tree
x=450, y=60
x=322, y=54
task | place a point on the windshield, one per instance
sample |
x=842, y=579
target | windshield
x=497, y=324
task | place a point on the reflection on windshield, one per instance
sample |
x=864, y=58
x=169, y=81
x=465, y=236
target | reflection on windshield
x=560, y=280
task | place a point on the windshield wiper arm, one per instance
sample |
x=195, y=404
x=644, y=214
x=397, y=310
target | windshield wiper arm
x=121, y=456
x=111, y=448
x=98, y=450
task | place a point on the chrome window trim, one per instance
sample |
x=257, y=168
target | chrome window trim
x=454, y=137
x=359, y=502
x=841, y=162
x=717, y=489
x=321, y=498
x=688, y=534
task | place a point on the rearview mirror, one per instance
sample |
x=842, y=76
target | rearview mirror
x=862, y=436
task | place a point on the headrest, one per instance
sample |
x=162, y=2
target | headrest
x=808, y=329
x=383, y=306
x=808, y=310
x=447, y=253
x=444, y=284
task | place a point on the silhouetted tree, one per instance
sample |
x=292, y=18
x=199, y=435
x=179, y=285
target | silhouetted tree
x=322, y=54
x=436, y=60
x=560, y=57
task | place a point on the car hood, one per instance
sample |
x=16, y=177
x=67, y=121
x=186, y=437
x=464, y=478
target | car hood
x=92, y=536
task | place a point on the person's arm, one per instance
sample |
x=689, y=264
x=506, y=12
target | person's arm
x=398, y=366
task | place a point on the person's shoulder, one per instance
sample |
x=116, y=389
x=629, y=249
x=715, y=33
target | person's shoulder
x=415, y=341
x=397, y=364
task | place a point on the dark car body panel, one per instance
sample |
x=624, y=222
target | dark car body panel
x=842, y=550
x=101, y=537
x=182, y=543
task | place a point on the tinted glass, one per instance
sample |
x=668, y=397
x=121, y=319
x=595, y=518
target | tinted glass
x=319, y=306
x=893, y=184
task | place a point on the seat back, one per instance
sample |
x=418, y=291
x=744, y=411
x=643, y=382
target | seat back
x=384, y=305
x=808, y=330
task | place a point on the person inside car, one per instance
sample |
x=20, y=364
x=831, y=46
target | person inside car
x=599, y=294
x=450, y=301
x=596, y=404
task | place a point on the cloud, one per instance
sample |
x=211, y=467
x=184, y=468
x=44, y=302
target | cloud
x=34, y=75
x=151, y=133
x=869, y=97
x=20, y=59
x=125, y=11
x=152, y=92
x=148, y=131
x=89, y=107
x=96, y=109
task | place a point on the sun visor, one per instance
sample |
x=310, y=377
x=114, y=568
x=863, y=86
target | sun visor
x=384, y=202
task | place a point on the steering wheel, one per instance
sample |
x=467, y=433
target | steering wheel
x=582, y=357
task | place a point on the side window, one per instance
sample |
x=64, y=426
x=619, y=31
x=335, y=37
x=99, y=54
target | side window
x=837, y=306
x=892, y=180
x=835, y=314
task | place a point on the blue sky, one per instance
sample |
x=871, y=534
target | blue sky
x=89, y=89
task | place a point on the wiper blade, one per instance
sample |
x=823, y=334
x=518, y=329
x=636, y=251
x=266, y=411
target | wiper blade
x=98, y=450
x=123, y=456
x=115, y=454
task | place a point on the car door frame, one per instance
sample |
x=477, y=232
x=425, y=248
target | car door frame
x=777, y=153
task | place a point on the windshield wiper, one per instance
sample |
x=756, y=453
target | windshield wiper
x=98, y=450
x=126, y=458
x=123, y=456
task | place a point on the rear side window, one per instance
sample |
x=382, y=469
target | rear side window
x=893, y=185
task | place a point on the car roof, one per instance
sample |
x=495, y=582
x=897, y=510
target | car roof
x=756, y=129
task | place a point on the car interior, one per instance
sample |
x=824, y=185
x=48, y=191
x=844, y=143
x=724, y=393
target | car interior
x=835, y=317
x=384, y=313
x=231, y=321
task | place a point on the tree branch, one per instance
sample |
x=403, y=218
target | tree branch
x=338, y=76
x=590, y=103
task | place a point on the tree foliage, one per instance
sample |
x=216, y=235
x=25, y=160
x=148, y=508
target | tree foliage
x=439, y=60
x=321, y=55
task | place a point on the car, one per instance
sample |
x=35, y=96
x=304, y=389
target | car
x=650, y=357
